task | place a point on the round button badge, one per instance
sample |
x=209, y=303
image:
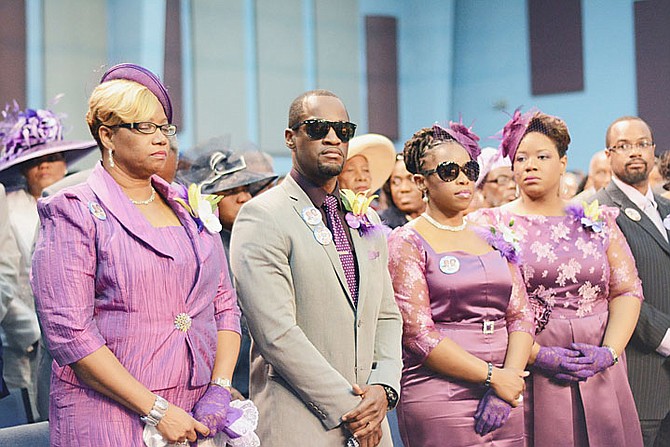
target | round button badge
x=449, y=265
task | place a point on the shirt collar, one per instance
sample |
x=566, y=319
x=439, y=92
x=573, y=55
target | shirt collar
x=640, y=200
x=316, y=194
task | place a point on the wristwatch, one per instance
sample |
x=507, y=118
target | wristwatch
x=391, y=396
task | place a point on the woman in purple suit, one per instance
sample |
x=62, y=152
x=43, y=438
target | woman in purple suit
x=467, y=324
x=132, y=291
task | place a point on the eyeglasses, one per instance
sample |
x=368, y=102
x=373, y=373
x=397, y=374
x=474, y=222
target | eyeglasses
x=448, y=171
x=149, y=128
x=627, y=147
x=317, y=129
x=501, y=180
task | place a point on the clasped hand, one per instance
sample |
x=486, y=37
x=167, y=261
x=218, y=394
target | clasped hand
x=507, y=386
x=576, y=364
x=212, y=409
x=364, y=421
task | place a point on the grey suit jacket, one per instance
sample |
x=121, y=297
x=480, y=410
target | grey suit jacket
x=310, y=344
x=648, y=371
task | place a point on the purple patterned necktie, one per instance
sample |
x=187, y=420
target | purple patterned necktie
x=342, y=245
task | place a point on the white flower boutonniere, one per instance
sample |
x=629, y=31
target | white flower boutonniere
x=201, y=207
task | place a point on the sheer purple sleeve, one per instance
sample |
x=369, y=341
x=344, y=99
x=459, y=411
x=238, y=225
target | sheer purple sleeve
x=407, y=264
x=520, y=316
x=624, y=279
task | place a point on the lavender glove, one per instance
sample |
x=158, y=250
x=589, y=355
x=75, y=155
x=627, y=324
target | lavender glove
x=594, y=360
x=492, y=412
x=212, y=409
x=552, y=360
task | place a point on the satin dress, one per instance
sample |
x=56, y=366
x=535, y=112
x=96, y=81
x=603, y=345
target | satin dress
x=473, y=300
x=571, y=274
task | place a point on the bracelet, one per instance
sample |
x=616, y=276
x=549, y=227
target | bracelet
x=157, y=412
x=489, y=373
x=613, y=352
x=222, y=382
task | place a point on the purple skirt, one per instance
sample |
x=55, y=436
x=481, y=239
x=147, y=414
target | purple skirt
x=435, y=410
x=82, y=417
x=597, y=412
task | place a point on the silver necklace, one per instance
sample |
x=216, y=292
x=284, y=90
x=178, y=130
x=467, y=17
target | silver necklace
x=436, y=224
x=145, y=202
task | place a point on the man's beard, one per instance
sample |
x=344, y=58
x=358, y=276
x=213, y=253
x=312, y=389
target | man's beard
x=329, y=169
x=635, y=177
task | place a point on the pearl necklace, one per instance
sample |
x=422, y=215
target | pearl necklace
x=440, y=226
x=145, y=202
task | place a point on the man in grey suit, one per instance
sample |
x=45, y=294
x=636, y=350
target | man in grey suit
x=325, y=357
x=644, y=221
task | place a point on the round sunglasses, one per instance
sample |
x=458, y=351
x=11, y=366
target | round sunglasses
x=317, y=129
x=448, y=171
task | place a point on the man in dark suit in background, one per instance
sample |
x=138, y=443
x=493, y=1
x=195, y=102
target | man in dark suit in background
x=644, y=219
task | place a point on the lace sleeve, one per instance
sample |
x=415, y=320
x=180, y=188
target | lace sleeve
x=520, y=316
x=624, y=279
x=407, y=265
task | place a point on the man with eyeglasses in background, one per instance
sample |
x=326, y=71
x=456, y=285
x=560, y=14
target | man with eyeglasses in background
x=325, y=356
x=644, y=220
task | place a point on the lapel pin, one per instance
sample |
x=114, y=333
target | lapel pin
x=323, y=235
x=633, y=214
x=97, y=210
x=311, y=215
x=449, y=265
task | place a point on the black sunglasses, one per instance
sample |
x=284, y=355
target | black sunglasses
x=448, y=171
x=317, y=129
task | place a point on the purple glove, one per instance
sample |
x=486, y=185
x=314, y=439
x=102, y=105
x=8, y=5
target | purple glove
x=594, y=359
x=552, y=360
x=492, y=412
x=212, y=408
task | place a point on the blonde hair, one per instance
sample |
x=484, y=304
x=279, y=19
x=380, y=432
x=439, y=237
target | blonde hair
x=119, y=101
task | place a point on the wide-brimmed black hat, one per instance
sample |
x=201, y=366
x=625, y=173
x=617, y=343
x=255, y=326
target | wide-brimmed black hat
x=220, y=171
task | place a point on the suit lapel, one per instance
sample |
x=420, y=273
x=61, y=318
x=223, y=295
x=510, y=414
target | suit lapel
x=302, y=201
x=624, y=203
x=361, y=248
x=116, y=202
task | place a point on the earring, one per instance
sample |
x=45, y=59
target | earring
x=516, y=190
x=110, y=152
x=425, y=197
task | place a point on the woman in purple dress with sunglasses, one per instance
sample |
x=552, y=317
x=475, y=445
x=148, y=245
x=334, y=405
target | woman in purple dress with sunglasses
x=467, y=323
x=582, y=281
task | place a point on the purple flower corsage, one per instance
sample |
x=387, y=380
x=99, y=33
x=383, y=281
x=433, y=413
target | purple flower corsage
x=589, y=215
x=504, y=240
x=358, y=206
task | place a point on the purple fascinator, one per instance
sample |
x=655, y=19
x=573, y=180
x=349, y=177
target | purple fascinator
x=136, y=73
x=462, y=134
x=513, y=132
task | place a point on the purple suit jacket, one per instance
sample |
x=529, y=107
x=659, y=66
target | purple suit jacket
x=110, y=278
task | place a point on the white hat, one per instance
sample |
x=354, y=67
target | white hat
x=380, y=154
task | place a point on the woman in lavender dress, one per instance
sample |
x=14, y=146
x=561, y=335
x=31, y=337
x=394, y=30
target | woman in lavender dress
x=581, y=278
x=133, y=295
x=467, y=322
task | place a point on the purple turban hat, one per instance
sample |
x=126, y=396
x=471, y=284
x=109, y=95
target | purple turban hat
x=136, y=73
